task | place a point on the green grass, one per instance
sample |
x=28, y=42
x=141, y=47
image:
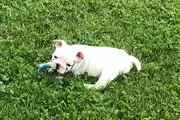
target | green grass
x=148, y=29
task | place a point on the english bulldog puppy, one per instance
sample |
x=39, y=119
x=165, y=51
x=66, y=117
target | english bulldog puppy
x=105, y=62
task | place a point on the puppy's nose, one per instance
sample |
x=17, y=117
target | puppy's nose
x=57, y=66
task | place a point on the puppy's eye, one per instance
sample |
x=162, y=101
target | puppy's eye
x=68, y=64
x=55, y=57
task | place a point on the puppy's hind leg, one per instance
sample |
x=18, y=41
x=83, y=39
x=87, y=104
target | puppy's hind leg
x=105, y=78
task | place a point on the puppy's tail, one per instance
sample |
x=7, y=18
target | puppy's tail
x=136, y=62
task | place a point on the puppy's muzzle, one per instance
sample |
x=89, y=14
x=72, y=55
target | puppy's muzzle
x=57, y=66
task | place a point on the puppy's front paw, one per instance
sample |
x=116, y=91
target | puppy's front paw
x=88, y=86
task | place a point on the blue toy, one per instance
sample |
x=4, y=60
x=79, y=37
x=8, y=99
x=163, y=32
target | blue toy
x=46, y=68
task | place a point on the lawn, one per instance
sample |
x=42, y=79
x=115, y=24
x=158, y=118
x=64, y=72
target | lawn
x=147, y=29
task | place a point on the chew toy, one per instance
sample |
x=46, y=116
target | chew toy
x=46, y=68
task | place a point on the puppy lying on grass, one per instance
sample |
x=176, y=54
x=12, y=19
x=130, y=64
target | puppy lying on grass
x=105, y=62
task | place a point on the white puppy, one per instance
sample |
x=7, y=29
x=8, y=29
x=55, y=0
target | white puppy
x=105, y=62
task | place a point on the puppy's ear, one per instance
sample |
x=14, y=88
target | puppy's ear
x=59, y=43
x=79, y=56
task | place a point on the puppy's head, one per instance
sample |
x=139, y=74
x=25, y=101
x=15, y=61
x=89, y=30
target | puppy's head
x=64, y=57
x=61, y=65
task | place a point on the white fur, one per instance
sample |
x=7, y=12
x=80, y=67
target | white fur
x=105, y=62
